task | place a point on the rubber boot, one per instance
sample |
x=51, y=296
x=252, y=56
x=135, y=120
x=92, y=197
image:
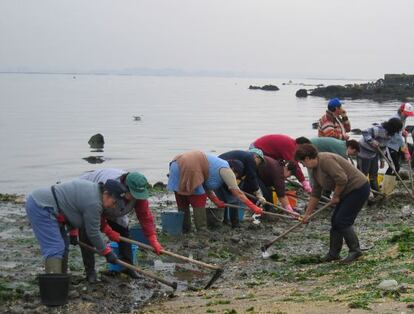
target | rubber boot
x=352, y=242
x=53, y=266
x=336, y=241
x=187, y=219
x=234, y=217
x=88, y=258
x=200, y=218
x=65, y=262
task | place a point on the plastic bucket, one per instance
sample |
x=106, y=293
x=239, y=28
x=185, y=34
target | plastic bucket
x=241, y=214
x=291, y=194
x=115, y=248
x=54, y=289
x=172, y=223
x=137, y=234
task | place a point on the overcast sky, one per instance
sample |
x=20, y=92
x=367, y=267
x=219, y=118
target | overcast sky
x=291, y=38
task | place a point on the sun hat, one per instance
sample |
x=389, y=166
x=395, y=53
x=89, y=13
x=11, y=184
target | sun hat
x=258, y=152
x=137, y=185
x=407, y=109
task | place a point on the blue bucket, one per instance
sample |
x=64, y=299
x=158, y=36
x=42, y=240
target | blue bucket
x=115, y=248
x=137, y=234
x=241, y=214
x=172, y=223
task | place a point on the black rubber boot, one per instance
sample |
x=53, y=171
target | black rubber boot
x=187, y=219
x=88, y=258
x=352, y=242
x=336, y=241
x=234, y=217
x=131, y=273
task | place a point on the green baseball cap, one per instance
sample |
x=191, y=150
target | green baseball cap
x=137, y=185
x=258, y=152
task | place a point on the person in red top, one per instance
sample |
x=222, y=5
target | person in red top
x=281, y=147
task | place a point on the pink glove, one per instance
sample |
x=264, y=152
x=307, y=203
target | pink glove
x=219, y=203
x=306, y=186
x=404, y=133
x=257, y=210
x=407, y=155
x=290, y=209
x=155, y=244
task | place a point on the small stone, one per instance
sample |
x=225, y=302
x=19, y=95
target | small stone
x=388, y=285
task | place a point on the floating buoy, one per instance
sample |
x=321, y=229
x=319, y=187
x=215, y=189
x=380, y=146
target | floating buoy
x=137, y=118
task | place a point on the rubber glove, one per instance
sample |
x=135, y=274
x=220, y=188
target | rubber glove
x=111, y=234
x=155, y=244
x=306, y=186
x=404, y=133
x=111, y=257
x=257, y=210
x=260, y=197
x=73, y=236
x=219, y=203
x=290, y=209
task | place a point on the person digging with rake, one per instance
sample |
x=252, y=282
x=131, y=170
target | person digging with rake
x=351, y=191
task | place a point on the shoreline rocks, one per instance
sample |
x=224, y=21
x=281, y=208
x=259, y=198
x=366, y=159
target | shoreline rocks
x=268, y=87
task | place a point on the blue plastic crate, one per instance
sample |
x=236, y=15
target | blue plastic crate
x=115, y=249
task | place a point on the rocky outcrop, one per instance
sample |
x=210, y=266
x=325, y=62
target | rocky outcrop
x=302, y=93
x=97, y=141
x=265, y=87
x=393, y=87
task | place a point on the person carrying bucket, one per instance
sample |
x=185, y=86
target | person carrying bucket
x=136, y=198
x=351, y=191
x=281, y=147
x=272, y=175
x=373, y=139
x=250, y=160
x=397, y=144
x=53, y=211
x=335, y=122
x=193, y=176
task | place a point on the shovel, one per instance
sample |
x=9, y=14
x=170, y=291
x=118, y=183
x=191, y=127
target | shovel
x=263, y=213
x=137, y=269
x=273, y=205
x=218, y=270
x=396, y=173
x=326, y=199
x=265, y=253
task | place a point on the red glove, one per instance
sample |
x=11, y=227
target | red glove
x=257, y=210
x=111, y=234
x=407, y=155
x=155, y=244
x=219, y=203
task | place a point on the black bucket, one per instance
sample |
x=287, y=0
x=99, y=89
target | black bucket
x=54, y=289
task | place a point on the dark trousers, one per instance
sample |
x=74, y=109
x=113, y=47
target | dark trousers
x=347, y=209
x=370, y=167
x=88, y=257
x=395, y=156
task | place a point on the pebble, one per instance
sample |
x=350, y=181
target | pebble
x=388, y=285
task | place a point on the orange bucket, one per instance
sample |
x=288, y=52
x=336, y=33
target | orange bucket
x=291, y=194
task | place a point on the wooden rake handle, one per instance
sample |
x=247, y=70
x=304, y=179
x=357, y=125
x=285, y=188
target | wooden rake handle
x=137, y=269
x=270, y=243
x=164, y=252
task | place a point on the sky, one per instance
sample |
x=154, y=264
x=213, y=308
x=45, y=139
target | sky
x=291, y=38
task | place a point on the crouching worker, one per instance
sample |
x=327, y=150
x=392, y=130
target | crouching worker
x=272, y=177
x=136, y=198
x=351, y=191
x=193, y=177
x=52, y=211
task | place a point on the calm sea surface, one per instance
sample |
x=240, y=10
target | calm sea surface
x=47, y=120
